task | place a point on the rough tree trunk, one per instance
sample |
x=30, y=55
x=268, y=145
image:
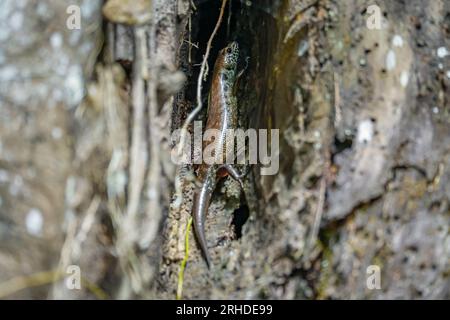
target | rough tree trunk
x=363, y=116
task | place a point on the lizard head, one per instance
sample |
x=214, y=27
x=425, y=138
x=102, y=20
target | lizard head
x=230, y=55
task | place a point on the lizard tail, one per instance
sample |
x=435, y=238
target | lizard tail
x=201, y=203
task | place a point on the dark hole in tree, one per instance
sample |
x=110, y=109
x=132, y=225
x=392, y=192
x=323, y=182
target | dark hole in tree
x=204, y=21
x=252, y=25
x=240, y=217
x=254, y=28
x=342, y=144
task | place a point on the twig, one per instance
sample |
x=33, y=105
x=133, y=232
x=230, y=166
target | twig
x=189, y=40
x=193, y=5
x=154, y=172
x=127, y=234
x=229, y=19
x=138, y=147
x=98, y=292
x=184, y=261
x=319, y=211
x=194, y=113
x=190, y=43
x=16, y=284
x=71, y=249
x=337, y=101
x=86, y=226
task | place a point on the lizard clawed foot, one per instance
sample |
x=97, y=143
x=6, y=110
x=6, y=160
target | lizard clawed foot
x=234, y=173
x=239, y=75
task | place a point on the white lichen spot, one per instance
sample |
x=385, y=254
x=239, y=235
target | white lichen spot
x=4, y=176
x=8, y=73
x=365, y=131
x=397, y=41
x=57, y=133
x=56, y=40
x=404, y=78
x=74, y=85
x=42, y=8
x=442, y=52
x=16, y=20
x=151, y=193
x=391, y=60
x=435, y=110
x=88, y=9
x=57, y=95
x=34, y=222
x=448, y=74
x=117, y=182
x=302, y=48
x=440, y=66
x=4, y=34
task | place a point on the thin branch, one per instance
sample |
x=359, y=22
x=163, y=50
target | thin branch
x=319, y=212
x=194, y=113
x=154, y=172
x=337, y=101
x=138, y=146
x=191, y=44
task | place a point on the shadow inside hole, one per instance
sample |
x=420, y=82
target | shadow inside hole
x=341, y=145
x=240, y=217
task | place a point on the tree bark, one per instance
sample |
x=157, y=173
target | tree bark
x=362, y=109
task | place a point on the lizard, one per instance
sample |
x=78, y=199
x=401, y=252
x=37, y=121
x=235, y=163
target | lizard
x=222, y=115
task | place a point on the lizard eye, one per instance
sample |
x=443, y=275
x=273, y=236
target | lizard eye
x=228, y=50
